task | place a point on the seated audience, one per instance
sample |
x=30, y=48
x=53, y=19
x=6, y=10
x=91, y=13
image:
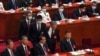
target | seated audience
x=45, y=15
x=41, y=49
x=43, y=3
x=36, y=29
x=23, y=49
x=9, y=51
x=12, y=4
x=93, y=10
x=25, y=24
x=60, y=14
x=81, y=11
x=67, y=44
x=52, y=36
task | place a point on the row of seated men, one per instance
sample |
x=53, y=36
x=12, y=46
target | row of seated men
x=61, y=14
x=42, y=48
x=14, y=4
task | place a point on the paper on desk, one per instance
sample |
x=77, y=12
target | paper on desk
x=10, y=11
x=82, y=2
x=79, y=52
x=98, y=17
x=54, y=6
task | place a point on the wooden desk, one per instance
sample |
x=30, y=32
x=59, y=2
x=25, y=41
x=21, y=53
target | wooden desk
x=82, y=30
x=96, y=53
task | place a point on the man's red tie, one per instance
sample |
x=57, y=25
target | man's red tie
x=26, y=52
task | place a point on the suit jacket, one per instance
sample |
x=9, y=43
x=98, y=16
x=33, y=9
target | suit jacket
x=90, y=11
x=65, y=46
x=23, y=28
x=24, y=3
x=11, y=5
x=77, y=14
x=78, y=0
x=6, y=53
x=20, y=50
x=55, y=36
x=66, y=1
x=35, y=33
x=39, y=50
x=53, y=1
x=43, y=2
x=58, y=17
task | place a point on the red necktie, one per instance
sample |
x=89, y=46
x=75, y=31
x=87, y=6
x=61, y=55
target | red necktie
x=52, y=34
x=26, y=52
x=28, y=23
x=44, y=49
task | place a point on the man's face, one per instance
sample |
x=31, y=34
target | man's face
x=11, y=45
x=29, y=16
x=54, y=27
x=43, y=40
x=94, y=4
x=83, y=9
x=61, y=8
x=68, y=35
x=25, y=41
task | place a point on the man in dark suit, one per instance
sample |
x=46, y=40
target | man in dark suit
x=60, y=14
x=9, y=51
x=25, y=24
x=52, y=36
x=93, y=10
x=67, y=44
x=12, y=4
x=81, y=11
x=66, y=1
x=41, y=49
x=23, y=49
x=44, y=3
x=36, y=29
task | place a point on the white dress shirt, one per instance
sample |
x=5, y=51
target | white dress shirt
x=10, y=52
x=50, y=32
x=45, y=16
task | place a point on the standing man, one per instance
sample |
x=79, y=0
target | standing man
x=37, y=28
x=52, y=36
x=25, y=24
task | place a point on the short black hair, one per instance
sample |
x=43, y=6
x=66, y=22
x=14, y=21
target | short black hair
x=24, y=36
x=82, y=6
x=38, y=17
x=40, y=38
x=67, y=31
x=8, y=41
x=94, y=2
